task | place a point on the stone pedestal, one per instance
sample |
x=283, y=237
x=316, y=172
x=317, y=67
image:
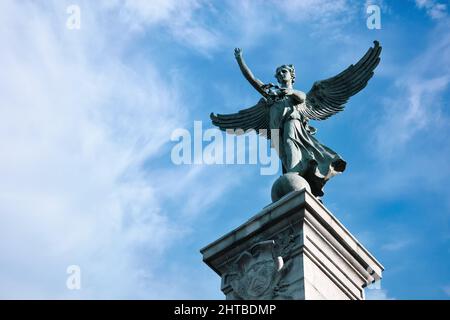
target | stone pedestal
x=293, y=249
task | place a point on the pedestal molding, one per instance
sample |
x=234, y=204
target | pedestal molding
x=322, y=259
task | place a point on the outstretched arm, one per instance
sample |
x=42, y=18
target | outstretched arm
x=256, y=83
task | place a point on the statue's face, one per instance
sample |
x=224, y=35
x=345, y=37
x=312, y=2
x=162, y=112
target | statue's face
x=284, y=75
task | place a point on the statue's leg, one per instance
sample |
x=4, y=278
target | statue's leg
x=299, y=159
x=278, y=145
x=293, y=155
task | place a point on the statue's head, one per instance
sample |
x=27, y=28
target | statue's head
x=285, y=73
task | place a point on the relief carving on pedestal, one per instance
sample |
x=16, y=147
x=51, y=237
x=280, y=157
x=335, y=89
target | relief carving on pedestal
x=258, y=273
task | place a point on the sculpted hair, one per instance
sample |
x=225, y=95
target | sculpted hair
x=289, y=67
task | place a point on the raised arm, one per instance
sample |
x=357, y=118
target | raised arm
x=256, y=83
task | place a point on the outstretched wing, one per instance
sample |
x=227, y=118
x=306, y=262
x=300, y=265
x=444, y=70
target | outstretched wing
x=256, y=118
x=328, y=97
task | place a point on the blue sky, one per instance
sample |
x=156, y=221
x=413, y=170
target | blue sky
x=87, y=115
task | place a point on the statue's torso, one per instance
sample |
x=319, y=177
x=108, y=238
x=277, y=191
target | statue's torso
x=281, y=110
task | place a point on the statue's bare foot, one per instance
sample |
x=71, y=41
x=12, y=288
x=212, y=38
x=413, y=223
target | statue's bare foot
x=339, y=165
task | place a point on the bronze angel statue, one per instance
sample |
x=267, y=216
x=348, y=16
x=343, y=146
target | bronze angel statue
x=288, y=110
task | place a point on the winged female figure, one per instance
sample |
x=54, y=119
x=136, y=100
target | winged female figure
x=288, y=110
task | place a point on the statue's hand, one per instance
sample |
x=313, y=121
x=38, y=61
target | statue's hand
x=268, y=85
x=286, y=91
x=238, y=53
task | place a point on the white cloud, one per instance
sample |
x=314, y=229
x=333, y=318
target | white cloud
x=241, y=23
x=319, y=17
x=396, y=245
x=314, y=10
x=435, y=9
x=76, y=125
x=417, y=109
x=181, y=18
x=417, y=103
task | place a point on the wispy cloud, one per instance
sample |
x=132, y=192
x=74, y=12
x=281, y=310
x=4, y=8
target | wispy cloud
x=396, y=245
x=381, y=3
x=236, y=23
x=447, y=290
x=435, y=9
x=76, y=127
x=418, y=103
x=317, y=16
x=182, y=19
x=418, y=108
x=377, y=294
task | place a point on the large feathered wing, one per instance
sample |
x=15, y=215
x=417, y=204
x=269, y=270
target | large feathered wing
x=328, y=97
x=253, y=118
